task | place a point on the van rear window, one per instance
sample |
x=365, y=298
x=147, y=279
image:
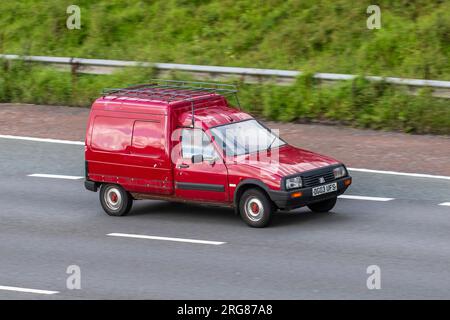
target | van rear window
x=111, y=134
x=148, y=139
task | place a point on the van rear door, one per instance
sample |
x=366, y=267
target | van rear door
x=148, y=160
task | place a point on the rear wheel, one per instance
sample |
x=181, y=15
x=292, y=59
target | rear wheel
x=323, y=206
x=115, y=200
x=255, y=208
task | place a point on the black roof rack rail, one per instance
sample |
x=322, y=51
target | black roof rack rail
x=175, y=90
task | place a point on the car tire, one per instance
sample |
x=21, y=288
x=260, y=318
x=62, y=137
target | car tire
x=323, y=206
x=115, y=200
x=255, y=208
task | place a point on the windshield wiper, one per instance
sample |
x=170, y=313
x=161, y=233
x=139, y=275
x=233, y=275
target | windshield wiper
x=270, y=145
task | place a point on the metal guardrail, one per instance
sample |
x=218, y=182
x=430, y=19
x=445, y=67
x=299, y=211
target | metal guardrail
x=251, y=75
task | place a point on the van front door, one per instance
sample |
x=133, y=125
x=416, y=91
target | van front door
x=205, y=178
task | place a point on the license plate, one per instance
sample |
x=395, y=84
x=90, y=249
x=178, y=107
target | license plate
x=317, y=191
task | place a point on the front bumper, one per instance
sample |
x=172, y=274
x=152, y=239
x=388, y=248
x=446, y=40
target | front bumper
x=285, y=199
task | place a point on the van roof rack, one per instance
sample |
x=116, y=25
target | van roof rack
x=174, y=90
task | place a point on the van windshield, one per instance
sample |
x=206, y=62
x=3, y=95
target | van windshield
x=245, y=137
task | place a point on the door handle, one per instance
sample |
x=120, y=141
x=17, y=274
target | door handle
x=183, y=166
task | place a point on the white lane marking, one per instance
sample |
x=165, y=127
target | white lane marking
x=417, y=175
x=27, y=290
x=445, y=204
x=365, y=198
x=138, y=236
x=54, y=176
x=81, y=143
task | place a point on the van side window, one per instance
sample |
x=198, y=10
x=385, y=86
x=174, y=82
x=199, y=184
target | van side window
x=111, y=134
x=195, y=142
x=148, y=139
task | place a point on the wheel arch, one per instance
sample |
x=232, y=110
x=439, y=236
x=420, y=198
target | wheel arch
x=245, y=185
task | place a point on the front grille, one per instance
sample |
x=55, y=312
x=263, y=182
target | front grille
x=313, y=179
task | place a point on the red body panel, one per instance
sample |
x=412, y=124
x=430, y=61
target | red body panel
x=135, y=143
x=203, y=173
x=115, y=152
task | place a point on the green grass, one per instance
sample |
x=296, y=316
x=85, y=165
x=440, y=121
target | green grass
x=307, y=35
x=312, y=36
x=358, y=103
x=28, y=83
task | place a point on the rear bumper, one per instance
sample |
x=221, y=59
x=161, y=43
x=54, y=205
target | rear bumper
x=285, y=200
x=90, y=185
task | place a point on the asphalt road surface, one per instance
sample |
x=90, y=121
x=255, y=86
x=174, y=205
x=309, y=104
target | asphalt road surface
x=48, y=224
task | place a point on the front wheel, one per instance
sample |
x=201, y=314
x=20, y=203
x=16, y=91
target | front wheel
x=323, y=206
x=255, y=208
x=115, y=200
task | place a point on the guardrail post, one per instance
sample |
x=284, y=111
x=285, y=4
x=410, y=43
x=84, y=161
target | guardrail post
x=74, y=66
x=6, y=62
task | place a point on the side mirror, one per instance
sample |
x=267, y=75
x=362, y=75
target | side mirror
x=197, y=158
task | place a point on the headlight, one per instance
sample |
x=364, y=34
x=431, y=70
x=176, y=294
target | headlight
x=339, y=172
x=293, y=183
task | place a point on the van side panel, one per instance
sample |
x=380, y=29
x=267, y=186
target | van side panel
x=131, y=150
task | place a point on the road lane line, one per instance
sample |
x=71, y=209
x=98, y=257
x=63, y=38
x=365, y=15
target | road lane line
x=54, y=176
x=445, y=204
x=365, y=198
x=27, y=290
x=138, y=236
x=417, y=175
x=81, y=143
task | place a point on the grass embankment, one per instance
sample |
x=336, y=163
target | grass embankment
x=307, y=35
x=312, y=36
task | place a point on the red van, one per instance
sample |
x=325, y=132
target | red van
x=183, y=141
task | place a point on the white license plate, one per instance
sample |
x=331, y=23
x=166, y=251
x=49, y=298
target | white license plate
x=317, y=191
